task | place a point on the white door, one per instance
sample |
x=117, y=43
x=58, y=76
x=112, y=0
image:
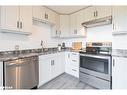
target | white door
x=26, y=18
x=89, y=13
x=44, y=71
x=64, y=25
x=61, y=62
x=119, y=69
x=10, y=18
x=81, y=30
x=103, y=11
x=73, y=24
x=120, y=18
x=67, y=64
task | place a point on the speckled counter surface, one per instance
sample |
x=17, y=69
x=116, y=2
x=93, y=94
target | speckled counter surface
x=119, y=53
x=11, y=55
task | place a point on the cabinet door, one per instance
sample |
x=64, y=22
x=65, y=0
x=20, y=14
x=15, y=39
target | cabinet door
x=120, y=18
x=26, y=18
x=67, y=64
x=89, y=13
x=64, y=25
x=103, y=11
x=36, y=11
x=119, y=79
x=81, y=30
x=51, y=16
x=73, y=24
x=56, y=27
x=10, y=18
x=44, y=71
x=1, y=75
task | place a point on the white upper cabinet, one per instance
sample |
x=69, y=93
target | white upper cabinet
x=26, y=19
x=16, y=18
x=76, y=28
x=64, y=26
x=89, y=14
x=56, y=28
x=96, y=12
x=103, y=11
x=120, y=18
x=37, y=12
x=73, y=24
x=10, y=18
x=43, y=13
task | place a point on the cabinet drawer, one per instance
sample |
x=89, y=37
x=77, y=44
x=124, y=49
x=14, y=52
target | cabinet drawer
x=75, y=62
x=74, y=71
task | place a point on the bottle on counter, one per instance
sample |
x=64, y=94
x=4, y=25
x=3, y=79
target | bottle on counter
x=59, y=47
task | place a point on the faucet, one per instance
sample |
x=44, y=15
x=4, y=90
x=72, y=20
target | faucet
x=42, y=45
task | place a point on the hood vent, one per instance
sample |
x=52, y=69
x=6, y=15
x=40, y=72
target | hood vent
x=98, y=22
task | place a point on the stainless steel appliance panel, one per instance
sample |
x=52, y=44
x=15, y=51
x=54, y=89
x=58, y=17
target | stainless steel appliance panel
x=22, y=73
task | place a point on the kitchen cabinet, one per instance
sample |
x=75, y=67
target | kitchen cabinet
x=119, y=18
x=50, y=66
x=56, y=28
x=44, y=71
x=72, y=64
x=119, y=79
x=1, y=74
x=76, y=28
x=64, y=26
x=97, y=12
x=103, y=11
x=43, y=14
x=16, y=18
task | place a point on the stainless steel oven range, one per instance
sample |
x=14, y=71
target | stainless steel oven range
x=95, y=66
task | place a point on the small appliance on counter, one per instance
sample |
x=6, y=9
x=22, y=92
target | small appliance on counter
x=59, y=47
x=77, y=45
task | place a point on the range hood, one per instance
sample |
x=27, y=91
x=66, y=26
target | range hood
x=98, y=22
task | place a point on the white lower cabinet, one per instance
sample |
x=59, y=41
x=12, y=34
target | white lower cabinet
x=72, y=64
x=1, y=75
x=50, y=66
x=119, y=69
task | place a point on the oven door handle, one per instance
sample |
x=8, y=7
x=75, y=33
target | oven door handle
x=95, y=56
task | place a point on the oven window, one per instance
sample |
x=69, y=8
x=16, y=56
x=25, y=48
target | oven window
x=94, y=64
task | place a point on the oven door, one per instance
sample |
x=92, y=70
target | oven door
x=98, y=66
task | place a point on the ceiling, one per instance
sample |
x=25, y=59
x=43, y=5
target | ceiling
x=66, y=9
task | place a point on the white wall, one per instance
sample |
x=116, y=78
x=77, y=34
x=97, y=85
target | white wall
x=94, y=34
x=40, y=32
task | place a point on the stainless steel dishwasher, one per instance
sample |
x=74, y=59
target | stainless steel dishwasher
x=21, y=73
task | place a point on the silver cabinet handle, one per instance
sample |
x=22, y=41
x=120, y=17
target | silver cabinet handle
x=20, y=25
x=113, y=62
x=74, y=54
x=56, y=32
x=17, y=24
x=96, y=13
x=74, y=60
x=74, y=70
x=68, y=55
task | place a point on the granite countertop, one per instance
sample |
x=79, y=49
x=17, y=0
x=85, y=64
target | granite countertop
x=119, y=53
x=11, y=55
